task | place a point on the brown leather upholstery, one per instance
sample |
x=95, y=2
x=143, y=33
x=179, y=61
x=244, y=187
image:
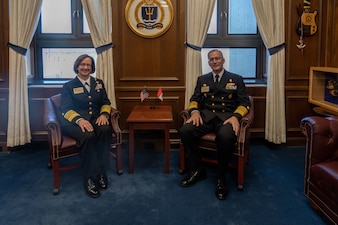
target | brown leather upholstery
x=321, y=164
x=242, y=149
x=61, y=146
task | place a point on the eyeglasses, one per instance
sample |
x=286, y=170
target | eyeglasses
x=85, y=64
x=215, y=59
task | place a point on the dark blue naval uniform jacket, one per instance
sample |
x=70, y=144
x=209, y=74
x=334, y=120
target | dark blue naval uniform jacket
x=77, y=102
x=224, y=99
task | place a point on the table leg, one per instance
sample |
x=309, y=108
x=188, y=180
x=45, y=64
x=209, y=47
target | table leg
x=131, y=149
x=166, y=149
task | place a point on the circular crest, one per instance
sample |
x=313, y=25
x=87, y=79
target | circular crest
x=149, y=18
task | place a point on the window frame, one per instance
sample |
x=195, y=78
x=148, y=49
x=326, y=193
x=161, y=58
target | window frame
x=225, y=40
x=75, y=39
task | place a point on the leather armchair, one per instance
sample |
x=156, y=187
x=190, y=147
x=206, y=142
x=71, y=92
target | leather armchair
x=62, y=146
x=321, y=164
x=241, y=151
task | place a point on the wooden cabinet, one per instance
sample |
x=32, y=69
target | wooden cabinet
x=323, y=89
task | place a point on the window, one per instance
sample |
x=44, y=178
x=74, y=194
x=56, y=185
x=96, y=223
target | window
x=233, y=30
x=62, y=35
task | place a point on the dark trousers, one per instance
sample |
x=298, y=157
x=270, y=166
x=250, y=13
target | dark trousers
x=225, y=140
x=94, y=148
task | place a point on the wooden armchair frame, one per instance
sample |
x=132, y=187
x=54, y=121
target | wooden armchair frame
x=242, y=148
x=62, y=146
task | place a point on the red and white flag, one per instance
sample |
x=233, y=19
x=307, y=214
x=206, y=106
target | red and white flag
x=144, y=94
x=160, y=94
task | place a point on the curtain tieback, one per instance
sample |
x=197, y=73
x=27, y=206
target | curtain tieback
x=197, y=48
x=17, y=48
x=276, y=49
x=103, y=48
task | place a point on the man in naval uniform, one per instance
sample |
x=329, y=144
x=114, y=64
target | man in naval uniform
x=219, y=102
x=85, y=109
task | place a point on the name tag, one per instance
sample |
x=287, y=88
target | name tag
x=205, y=89
x=78, y=90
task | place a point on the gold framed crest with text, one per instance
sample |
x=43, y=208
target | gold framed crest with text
x=149, y=18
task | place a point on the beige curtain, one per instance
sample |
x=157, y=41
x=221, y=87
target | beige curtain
x=198, y=18
x=23, y=18
x=270, y=19
x=99, y=14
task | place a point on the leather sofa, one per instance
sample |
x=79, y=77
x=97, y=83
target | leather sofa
x=321, y=164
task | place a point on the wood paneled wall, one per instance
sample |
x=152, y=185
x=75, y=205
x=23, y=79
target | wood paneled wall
x=151, y=62
x=320, y=50
x=160, y=62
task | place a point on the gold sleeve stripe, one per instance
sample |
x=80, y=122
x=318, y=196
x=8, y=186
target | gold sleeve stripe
x=70, y=115
x=242, y=110
x=105, y=109
x=193, y=105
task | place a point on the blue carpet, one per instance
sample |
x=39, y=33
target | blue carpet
x=273, y=193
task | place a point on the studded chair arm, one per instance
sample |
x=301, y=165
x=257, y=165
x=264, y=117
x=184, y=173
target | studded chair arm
x=52, y=124
x=321, y=138
x=114, y=120
x=245, y=123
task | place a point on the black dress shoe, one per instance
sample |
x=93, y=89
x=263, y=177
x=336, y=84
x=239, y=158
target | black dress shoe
x=103, y=181
x=91, y=188
x=193, y=177
x=221, y=189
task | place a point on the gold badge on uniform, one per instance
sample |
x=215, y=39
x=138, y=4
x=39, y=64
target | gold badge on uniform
x=205, y=88
x=78, y=90
x=98, y=86
x=231, y=86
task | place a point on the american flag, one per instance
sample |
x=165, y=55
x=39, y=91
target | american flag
x=160, y=94
x=144, y=94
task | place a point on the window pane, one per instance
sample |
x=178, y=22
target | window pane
x=237, y=60
x=213, y=22
x=242, y=19
x=58, y=62
x=29, y=70
x=85, y=27
x=56, y=16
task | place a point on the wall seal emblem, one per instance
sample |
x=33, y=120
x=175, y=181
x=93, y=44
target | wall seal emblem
x=149, y=18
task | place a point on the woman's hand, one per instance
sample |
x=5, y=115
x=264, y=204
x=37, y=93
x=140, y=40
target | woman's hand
x=85, y=125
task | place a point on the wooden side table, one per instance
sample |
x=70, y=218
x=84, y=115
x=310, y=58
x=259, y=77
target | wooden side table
x=146, y=117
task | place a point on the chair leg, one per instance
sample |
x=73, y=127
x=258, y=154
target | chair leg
x=182, y=159
x=240, y=172
x=119, y=159
x=56, y=171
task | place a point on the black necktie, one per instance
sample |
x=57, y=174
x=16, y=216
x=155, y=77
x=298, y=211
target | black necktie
x=217, y=78
x=87, y=87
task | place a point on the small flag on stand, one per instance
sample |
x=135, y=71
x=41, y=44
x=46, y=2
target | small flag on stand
x=160, y=94
x=144, y=94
